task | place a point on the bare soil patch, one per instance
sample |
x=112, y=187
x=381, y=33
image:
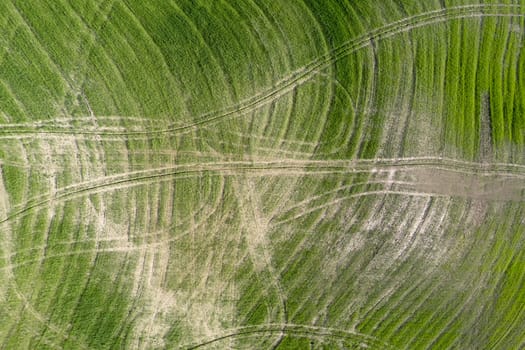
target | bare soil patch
x=469, y=185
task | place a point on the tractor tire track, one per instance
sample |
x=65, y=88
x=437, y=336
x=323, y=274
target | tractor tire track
x=293, y=329
x=300, y=76
x=268, y=168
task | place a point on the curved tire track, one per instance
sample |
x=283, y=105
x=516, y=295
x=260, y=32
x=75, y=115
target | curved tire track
x=297, y=330
x=301, y=75
x=282, y=167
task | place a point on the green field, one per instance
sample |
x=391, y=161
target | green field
x=262, y=174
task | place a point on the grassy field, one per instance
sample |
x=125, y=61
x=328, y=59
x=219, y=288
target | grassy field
x=262, y=174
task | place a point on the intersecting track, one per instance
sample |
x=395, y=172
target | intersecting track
x=260, y=168
x=286, y=84
x=286, y=167
x=303, y=331
x=268, y=168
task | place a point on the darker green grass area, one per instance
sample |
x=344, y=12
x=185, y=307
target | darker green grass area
x=15, y=182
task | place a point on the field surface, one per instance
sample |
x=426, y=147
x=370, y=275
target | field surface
x=256, y=174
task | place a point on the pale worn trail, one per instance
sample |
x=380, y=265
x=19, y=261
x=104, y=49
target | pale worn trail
x=427, y=177
x=294, y=329
x=476, y=184
x=284, y=85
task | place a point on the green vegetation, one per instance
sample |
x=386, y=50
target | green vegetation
x=262, y=174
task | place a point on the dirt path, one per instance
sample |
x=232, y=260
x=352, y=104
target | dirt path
x=455, y=184
x=471, y=180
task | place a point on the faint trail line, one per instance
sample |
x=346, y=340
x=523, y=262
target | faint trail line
x=357, y=195
x=261, y=168
x=320, y=196
x=294, y=329
x=118, y=244
x=117, y=249
x=255, y=222
x=299, y=76
x=47, y=324
x=244, y=107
